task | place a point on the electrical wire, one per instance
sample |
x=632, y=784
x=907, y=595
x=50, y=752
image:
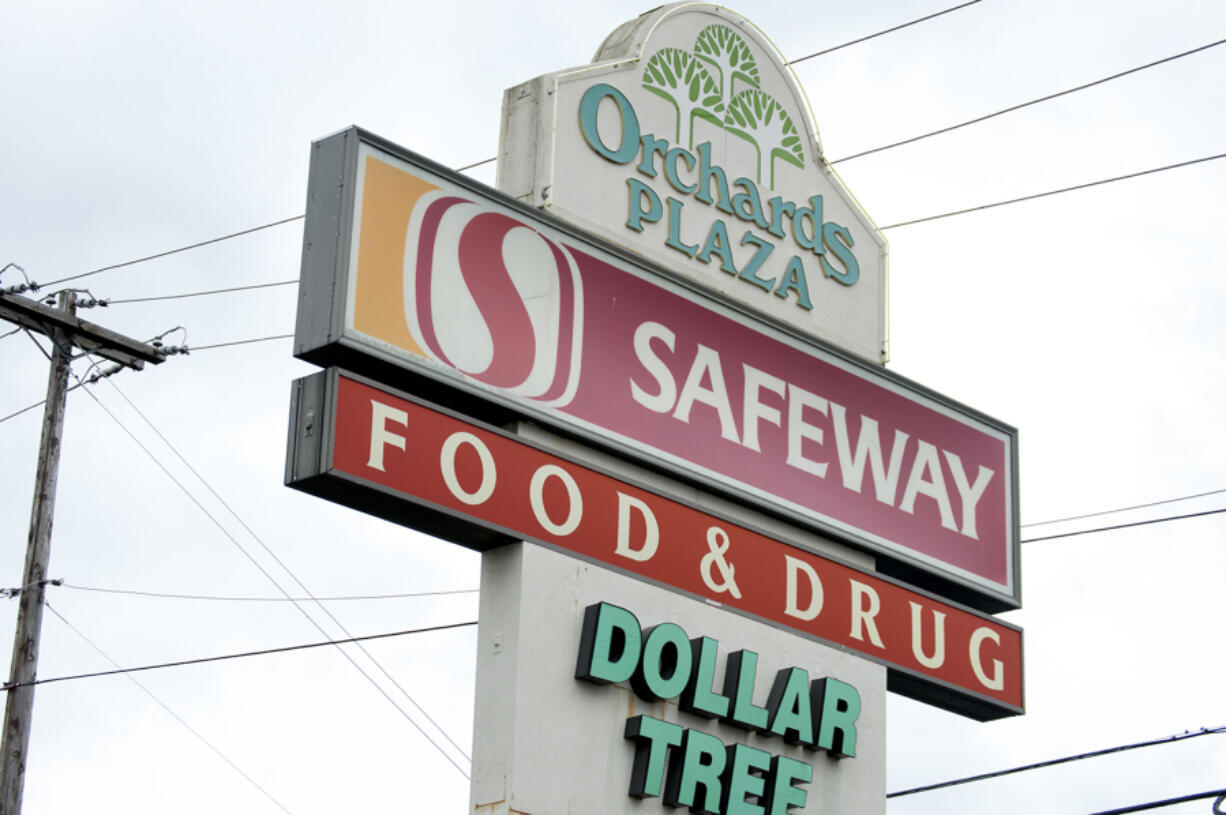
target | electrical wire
x=233, y=599
x=268, y=550
x=1167, y=802
x=241, y=342
x=201, y=293
x=880, y=33
x=160, y=703
x=177, y=251
x=1184, y=736
x=284, y=649
x=1055, y=192
x=1047, y=98
x=1125, y=509
x=275, y=583
x=1127, y=525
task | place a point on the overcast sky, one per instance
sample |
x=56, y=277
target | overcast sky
x=1091, y=321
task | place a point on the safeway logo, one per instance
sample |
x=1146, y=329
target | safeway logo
x=493, y=298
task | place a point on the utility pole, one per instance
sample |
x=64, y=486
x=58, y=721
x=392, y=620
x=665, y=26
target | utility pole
x=65, y=331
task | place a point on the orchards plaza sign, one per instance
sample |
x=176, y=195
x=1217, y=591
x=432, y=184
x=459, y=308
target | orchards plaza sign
x=689, y=140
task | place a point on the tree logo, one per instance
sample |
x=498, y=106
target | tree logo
x=719, y=83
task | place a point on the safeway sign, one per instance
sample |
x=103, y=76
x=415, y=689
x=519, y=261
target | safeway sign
x=424, y=276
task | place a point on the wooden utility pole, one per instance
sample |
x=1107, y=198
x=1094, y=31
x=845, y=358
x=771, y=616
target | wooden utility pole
x=65, y=331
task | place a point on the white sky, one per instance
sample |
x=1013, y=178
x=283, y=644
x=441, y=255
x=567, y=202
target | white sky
x=1091, y=321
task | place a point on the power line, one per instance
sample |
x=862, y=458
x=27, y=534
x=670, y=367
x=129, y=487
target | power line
x=1204, y=731
x=1047, y=98
x=802, y=59
x=233, y=599
x=1167, y=802
x=273, y=580
x=201, y=293
x=177, y=251
x=1127, y=525
x=299, y=583
x=1125, y=509
x=241, y=342
x=160, y=703
x=880, y=33
x=284, y=649
x=1055, y=192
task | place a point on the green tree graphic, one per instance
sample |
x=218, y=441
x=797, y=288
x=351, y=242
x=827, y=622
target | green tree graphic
x=677, y=76
x=729, y=56
x=757, y=118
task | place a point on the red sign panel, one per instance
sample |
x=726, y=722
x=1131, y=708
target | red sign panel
x=398, y=458
x=459, y=285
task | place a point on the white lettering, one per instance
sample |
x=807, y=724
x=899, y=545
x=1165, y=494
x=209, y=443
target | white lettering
x=651, y=537
x=996, y=681
x=868, y=447
x=489, y=475
x=707, y=365
x=863, y=617
x=800, y=431
x=917, y=636
x=927, y=462
x=797, y=567
x=754, y=411
x=380, y=436
x=661, y=402
x=970, y=495
x=536, y=497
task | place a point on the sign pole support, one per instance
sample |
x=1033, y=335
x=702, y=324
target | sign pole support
x=65, y=331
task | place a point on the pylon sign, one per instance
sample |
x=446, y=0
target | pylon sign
x=645, y=379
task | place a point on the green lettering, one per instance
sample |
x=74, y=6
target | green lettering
x=652, y=738
x=748, y=205
x=739, y=675
x=674, y=230
x=664, y=668
x=838, y=706
x=651, y=147
x=640, y=193
x=782, y=794
x=791, y=715
x=700, y=697
x=670, y=169
x=743, y=782
x=589, y=106
x=750, y=272
x=779, y=208
x=707, y=172
x=717, y=243
x=794, y=280
x=610, y=644
x=695, y=781
x=812, y=215
x=839, y=239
